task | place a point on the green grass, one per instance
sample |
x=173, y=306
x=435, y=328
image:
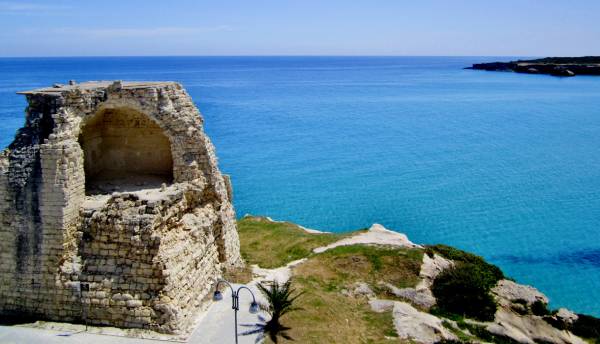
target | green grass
x=274, y=244
x=327, y=316
x=344, y=265
x=330, y=317
x=462, y=337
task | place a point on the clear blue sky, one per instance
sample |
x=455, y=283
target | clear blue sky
x=299, y=27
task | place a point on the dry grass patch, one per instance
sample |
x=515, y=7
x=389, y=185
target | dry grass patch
x=328, y=316
x=242, y=275
x=274, y=244
x=343, y=266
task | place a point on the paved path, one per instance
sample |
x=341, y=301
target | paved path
x=215, y=325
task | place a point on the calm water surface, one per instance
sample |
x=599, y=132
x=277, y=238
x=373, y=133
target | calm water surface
x=502, y=164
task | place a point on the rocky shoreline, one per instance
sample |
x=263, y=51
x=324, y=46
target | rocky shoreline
x=555, y=66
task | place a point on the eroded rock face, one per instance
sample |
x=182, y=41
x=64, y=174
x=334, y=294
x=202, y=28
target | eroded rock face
x=113, y=208
x=507, y=290
x=523, y=326
x=412, y=324
x=421, y=295
x=529, y=329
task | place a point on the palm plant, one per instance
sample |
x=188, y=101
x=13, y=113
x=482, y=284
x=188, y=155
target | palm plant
x=280, y=299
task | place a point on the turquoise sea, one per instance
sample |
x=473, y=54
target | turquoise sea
x=505, y=165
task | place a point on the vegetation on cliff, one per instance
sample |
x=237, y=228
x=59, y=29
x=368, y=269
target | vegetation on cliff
x=465, y=288
x=339, y=284
x=271, y=244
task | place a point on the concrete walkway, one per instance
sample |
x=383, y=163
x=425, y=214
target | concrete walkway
x=24, y=334
x=215, y=325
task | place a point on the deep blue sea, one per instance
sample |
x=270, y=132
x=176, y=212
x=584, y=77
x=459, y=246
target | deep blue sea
x=505, y=165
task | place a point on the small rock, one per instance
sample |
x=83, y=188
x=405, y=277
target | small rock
x=363, y=289
x=379, y=306
x=418, y=326
x=422, y=298
x=566, y=316
x=511, y=291
x=561, y=71
x=431, y=268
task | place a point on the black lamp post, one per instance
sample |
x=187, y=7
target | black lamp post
x=235, y=300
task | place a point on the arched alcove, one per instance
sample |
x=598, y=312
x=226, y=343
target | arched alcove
x=124, y=150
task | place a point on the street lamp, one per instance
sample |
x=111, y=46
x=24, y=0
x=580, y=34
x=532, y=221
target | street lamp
x=235, y=301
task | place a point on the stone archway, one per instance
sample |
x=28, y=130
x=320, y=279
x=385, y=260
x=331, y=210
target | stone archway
x=124, y=150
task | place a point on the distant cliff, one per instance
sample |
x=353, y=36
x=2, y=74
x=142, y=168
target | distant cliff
x=557, y=66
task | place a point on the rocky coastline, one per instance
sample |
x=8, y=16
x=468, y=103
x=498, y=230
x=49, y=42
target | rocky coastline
x=555, y=66
x=409, y=293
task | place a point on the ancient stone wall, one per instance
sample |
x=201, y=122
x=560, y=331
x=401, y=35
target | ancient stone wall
x=123, y=146
x=123, y=251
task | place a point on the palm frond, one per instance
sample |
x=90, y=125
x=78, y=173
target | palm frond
x=280, y=300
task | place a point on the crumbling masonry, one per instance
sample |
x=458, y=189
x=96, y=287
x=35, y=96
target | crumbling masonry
x=112, y=208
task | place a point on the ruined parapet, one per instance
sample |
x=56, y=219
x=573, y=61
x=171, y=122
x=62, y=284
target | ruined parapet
x=115, y=188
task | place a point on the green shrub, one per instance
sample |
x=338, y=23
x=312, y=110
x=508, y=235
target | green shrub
x=520, y=302
x=556, y=323
x=450, y=341
x=519, y=309
x=457, y=255
x=465, y=290
x=587, y=326
x=539, y=308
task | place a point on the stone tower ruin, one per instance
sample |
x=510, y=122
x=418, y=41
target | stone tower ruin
x=112, y=208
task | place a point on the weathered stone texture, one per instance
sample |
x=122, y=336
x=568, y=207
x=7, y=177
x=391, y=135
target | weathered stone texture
x=149, y=254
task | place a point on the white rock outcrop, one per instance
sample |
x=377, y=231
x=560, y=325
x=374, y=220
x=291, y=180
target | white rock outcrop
x=412, y=324
x=421, y=295
x=510, y=291
x=377, y=235
x=529, y=329
x=526, y=328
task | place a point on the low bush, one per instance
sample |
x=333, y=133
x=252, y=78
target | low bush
x=539, y=308
x=465, y=290
x=556, y=323
x=273, y=244
x=587, y=326
x=457, y=255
